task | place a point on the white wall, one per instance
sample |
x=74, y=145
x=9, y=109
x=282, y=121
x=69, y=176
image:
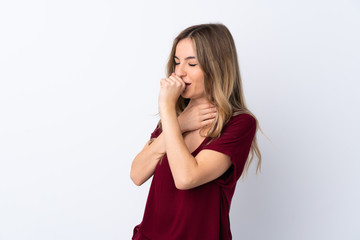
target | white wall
x=78, y=99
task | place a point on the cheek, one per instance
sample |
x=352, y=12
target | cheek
x=199, y=76
x=200, y=85
x=201, y=81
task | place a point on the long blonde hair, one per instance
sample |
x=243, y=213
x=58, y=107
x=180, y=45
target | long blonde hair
x=216, y=53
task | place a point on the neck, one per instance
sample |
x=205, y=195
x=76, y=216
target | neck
x=198, y=101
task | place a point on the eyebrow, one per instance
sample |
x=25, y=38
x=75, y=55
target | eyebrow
x=187, y=58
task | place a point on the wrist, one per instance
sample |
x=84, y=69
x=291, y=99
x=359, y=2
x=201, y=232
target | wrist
x=166, y=107
x=169, y=120
x=167, y=111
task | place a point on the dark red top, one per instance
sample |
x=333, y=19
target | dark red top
x=201, y=212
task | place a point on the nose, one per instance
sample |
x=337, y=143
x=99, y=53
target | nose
x=179, y=70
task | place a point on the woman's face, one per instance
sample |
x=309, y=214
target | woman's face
x=187, y=67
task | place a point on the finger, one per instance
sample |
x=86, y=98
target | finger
x=178, y=80
x=166, y=83
x=206, y=105
x=206, y=122
x=208, y=110
x=208, y=116
x=176, y=76
x=173, y=78
x=170, y=81
x=163, y=82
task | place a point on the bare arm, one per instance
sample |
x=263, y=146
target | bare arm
x=144, y=164
x=192, y=118
x=188, y=171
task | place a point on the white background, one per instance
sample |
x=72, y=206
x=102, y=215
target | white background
x=78, y=100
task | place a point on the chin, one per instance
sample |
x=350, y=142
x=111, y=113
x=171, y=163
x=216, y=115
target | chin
x=185, y=95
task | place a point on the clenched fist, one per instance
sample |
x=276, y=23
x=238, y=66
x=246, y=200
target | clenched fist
x=170, y=90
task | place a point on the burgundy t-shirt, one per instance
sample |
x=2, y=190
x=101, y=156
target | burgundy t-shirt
x=201, y=212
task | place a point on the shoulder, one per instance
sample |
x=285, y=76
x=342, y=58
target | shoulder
x=156, y=131
x=243, y=120
x=236, y=136
x=238, y=127
x=243, y=116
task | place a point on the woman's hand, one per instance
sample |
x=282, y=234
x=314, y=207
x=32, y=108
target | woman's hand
x=170, y=90
x=196, y=116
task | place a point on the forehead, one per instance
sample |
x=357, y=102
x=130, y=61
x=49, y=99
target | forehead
x=185, y=48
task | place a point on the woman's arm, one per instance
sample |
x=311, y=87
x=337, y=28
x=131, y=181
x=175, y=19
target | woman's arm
x=188, y=171
x=192, y=118
x=144, y=164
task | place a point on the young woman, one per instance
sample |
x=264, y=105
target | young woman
x=202, y=144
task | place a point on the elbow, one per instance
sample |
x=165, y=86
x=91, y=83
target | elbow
x=184, y=183
x=137, y=183
x=136, y=180
x=182, y=187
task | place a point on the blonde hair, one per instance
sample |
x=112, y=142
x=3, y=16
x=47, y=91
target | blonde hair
x=217, y=57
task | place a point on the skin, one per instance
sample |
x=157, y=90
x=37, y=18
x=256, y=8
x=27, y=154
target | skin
x=188, y=171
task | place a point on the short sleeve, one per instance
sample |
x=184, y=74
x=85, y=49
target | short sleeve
x=156, y=132
x=235, y=141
